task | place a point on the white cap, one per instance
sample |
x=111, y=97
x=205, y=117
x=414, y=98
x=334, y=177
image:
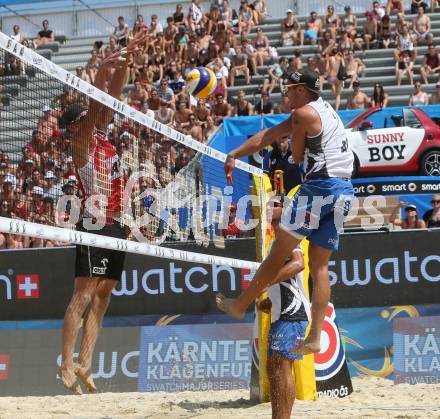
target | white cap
x=69, y=159
x=289, y=11
x=49, y=175
x=10, y=179
x=38, y=190
x=72, y=178
x=46, y=108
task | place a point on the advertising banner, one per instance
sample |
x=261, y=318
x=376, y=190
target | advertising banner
x=38, y=283
x=368, y=337
x=30, y=361
x=404, y=185
x=417, y=350
x=331, y=371
x=383, y=269
x=195, y=357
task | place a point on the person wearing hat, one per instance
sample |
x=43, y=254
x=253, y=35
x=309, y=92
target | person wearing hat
x=411, y=219
x=52, y=189
x=319, y=141
x=358, y=99
x=287, y=303
x=37, y=200
x=432, y=216
x=97, y=271
x=8, y=192
x=291, y=32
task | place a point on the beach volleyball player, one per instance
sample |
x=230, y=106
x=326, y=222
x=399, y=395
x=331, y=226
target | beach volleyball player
x=102, y=178
x=320, y=204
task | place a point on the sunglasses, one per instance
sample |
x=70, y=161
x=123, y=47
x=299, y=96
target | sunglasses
x=435, y=201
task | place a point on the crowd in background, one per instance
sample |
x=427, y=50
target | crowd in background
x=219, y=39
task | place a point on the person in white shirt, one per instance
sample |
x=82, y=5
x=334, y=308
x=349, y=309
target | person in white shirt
x=17, y=35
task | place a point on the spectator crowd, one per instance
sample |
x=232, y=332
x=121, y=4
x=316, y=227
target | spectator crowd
x=218, y=38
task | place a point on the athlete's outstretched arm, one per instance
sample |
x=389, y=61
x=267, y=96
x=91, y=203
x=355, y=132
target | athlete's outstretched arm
x=119, y=78
x=256, y=143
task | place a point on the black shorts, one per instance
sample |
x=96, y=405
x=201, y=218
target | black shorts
x=97, y=262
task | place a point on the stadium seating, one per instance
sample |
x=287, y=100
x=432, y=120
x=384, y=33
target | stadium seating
x=76, y=51
x=379, y=62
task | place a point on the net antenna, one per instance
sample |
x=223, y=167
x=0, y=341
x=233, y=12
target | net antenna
x=176, y=188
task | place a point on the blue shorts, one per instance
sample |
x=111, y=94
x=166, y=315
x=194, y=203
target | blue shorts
x=318, y=210
x=285, y=336
x=310, y=34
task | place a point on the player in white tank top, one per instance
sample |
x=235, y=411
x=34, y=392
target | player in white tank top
x=327, y=154
x=320, y=205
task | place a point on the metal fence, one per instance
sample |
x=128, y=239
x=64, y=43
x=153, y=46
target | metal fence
x=73, y=19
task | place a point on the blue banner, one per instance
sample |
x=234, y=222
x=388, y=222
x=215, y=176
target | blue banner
x=195, y=357
x=368, y=336
x=417, y=350
x=250, y=125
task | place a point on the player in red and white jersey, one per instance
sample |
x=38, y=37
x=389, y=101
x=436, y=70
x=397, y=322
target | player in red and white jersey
x=104, y=175
x=102, y=178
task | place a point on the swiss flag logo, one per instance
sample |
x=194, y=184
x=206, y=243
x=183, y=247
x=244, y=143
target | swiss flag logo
x=28, y=286
x=4, y=367
x=246, y=277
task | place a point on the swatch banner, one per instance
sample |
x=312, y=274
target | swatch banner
x=30, y=361
x=417, y=350
x=38, y=283
x=195, y=357
x=368, y=337
x=380, y=269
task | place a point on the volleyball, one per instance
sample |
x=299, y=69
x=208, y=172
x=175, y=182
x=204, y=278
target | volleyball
x=201, y=82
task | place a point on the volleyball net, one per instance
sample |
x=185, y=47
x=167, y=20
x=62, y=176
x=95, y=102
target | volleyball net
x=119, y=163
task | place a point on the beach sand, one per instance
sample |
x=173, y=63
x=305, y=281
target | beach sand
x=372, y=398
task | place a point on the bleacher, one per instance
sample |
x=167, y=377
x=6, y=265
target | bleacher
x=69, y=53
x=379, y=62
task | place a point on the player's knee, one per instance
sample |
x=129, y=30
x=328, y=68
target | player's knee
x=80, y=301
x=104, y=291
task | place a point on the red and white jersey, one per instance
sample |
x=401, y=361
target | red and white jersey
x=104, y=174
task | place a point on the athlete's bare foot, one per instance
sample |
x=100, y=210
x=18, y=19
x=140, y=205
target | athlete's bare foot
x=70, y=380
x=85, y=375
x=308, y=346
x=228, y=305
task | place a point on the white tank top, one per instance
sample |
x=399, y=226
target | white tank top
x=327, y=155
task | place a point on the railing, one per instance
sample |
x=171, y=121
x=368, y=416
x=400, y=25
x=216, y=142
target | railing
x=73, y=18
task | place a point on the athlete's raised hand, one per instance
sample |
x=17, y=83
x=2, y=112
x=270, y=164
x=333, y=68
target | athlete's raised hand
x=229, y=168
x=132, y=46
x=112, y=60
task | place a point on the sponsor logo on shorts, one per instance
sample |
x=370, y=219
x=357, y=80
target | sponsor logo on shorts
x=101, y=270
